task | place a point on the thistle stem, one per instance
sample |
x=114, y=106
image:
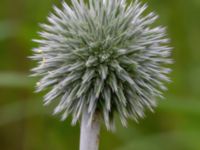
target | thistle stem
x=89, y=138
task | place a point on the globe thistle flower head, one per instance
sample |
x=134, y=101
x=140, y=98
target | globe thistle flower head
x=103, y=56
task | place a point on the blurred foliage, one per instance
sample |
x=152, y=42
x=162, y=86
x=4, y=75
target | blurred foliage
x=26, y=125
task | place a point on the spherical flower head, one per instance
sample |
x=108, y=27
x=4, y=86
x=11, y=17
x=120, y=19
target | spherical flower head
x=105, y=57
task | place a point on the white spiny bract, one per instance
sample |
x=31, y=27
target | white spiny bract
x=102, y=56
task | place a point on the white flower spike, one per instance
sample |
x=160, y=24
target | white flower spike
x=105, y=57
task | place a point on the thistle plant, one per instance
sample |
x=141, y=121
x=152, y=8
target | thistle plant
x=101, y=59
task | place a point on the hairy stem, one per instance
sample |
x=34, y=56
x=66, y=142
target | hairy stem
x=89, y=138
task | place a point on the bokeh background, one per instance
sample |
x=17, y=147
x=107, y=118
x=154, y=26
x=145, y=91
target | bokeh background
x=26, y=125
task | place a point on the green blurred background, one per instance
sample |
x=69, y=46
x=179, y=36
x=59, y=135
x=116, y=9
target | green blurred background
x=26, y=125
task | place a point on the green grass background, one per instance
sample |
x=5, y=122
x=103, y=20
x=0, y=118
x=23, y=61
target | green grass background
x=26, y=125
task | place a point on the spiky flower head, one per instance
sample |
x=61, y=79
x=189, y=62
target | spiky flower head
x=102, y=56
